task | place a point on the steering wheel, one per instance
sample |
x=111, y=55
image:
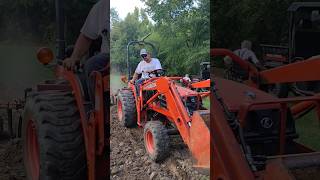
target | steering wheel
x=156, y=73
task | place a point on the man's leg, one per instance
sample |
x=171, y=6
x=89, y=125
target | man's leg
x=95, y=63
x=138, y=83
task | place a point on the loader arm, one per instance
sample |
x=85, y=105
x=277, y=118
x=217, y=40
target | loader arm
x=201, y=84
x=306, y=70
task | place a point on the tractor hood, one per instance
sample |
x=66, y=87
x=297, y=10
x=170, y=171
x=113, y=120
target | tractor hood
x=239, y=93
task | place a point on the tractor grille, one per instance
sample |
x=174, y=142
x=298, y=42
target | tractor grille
x=191, y=103
x=262, y=130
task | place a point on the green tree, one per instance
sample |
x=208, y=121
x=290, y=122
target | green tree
x=259, y=21
x=180, y=31
x=183, y=28
x=133, y=27
x=34, y=20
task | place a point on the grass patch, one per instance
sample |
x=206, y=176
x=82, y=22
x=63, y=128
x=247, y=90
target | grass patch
x=308, y=128
x=206, y=102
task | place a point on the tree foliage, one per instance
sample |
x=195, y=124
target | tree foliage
x=35, y=19
x=259, y=21
x=180, y=31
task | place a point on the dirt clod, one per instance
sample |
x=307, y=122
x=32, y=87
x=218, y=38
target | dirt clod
x=11, y=163
x=153, y=175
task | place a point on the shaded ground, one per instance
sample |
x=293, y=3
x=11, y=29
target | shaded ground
x=11, y=162
x=129, y=159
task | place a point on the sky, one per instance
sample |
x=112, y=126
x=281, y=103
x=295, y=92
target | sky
x=125, y=6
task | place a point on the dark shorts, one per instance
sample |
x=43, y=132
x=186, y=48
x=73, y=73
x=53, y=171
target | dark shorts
x=138, y=83
x=95, y=63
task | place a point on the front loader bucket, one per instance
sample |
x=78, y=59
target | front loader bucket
x=200, y=138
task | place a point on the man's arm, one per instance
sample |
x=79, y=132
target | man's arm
x=89, y=32
x=134, y=78
x=82, y=46
x=255, y=60
x=80, y=49
x=136, y=73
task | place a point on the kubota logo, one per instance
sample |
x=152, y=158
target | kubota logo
x=266, y=122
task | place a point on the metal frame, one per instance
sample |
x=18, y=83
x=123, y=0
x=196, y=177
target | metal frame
x=140, y=42
x=293, y=9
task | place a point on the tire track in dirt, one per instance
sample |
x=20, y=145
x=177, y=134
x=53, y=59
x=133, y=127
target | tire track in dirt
x=129, y=160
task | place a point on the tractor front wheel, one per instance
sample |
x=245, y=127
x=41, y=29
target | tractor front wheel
x=53, y=142
x=156, y=140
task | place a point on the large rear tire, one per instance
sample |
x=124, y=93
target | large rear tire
x=127, y=112
x=156, y=140
x=53, y=141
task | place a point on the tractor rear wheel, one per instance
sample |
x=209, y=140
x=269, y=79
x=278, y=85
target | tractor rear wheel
x=156, y=140
x=127, y=112
x=53, y=141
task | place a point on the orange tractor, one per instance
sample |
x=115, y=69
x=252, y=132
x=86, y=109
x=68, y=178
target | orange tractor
x=64, y=131
x=253, y=133
x=164, y=108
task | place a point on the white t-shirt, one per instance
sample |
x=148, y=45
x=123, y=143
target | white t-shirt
x=97, y=24
x=144, y=67
x=246, y=54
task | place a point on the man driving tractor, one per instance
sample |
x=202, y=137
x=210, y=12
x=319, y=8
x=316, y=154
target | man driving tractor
x=145, y=68
x=246, y=54
x=95, y=26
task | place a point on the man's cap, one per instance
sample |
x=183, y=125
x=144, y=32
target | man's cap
x=143, y=51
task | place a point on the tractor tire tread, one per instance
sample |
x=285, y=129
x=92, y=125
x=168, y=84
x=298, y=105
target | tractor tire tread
x=161, y=140
x=128, y=108
x=57, y=121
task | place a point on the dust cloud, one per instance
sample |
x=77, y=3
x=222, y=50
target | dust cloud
x=19, y=69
